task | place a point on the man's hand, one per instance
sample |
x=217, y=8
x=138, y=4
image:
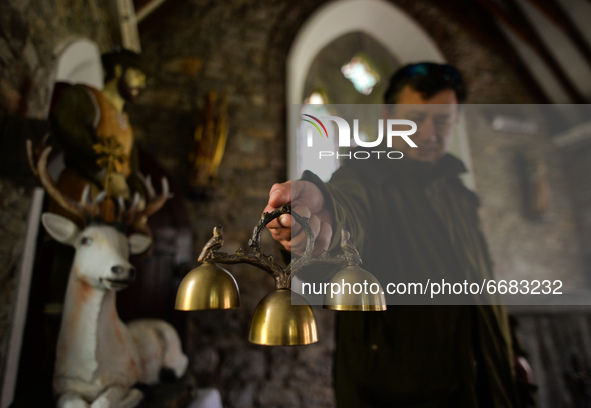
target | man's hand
x=307, y=200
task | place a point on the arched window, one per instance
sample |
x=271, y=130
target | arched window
x=370, y=29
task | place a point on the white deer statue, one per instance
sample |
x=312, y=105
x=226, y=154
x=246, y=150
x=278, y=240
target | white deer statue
x=98, y=357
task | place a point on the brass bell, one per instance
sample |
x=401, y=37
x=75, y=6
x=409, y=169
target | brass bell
x=208, y=287
x=276, y=322
x=359, y=291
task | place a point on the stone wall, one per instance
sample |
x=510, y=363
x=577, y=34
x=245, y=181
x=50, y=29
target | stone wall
x=239, y=48
x=521, y=248
x=30, y=34
x=577, y=169
x=558, y=351
x=525, y=247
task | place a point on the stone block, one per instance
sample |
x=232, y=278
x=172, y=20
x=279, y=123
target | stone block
x=242, y=396
x=9, y=97
x=276, y=394
x=262, y=133
x=205, y=361
x=247, y=365
x=186, y=66
x=317, y=396
x=30, y=55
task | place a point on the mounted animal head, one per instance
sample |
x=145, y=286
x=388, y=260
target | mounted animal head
x=102, y=247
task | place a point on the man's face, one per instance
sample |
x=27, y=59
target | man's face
x=130, y=83
x=434, y=117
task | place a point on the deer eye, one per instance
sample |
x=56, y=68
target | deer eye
x=86, y=241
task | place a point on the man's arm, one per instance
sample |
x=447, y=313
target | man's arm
x=342, y=203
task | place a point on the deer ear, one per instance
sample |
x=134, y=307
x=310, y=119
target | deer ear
x=60, y=228
x=138, y=243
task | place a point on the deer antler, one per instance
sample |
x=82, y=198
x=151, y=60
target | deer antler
x=85, y=209
x=153, y=202
x=133, y=214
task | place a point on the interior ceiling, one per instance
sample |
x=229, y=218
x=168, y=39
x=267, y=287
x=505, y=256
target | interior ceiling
x=551, y=43
x=548, y=41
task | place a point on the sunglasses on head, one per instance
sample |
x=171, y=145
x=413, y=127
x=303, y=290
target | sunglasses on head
x=446, y=72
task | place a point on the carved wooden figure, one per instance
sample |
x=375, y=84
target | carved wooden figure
x=98, y=357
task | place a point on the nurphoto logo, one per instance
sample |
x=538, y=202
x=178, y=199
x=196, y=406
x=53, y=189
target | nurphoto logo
x=344, y=136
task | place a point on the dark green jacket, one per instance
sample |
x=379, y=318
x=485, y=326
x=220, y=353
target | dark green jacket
x=411, y=221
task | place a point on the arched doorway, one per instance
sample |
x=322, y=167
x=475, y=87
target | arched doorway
x=399, y=35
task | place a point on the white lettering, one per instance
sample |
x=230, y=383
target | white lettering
x=395, y=152
x=361, y=152
x=368, y=144
x=402, y=133
x=344, y=130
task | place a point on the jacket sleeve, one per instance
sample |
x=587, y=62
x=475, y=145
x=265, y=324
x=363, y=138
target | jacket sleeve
x=348, y=199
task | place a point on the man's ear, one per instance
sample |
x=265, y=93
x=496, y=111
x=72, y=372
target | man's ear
x=60, y=228
x=139, y=243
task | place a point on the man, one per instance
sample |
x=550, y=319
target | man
x=94, y=132
x=410, y=218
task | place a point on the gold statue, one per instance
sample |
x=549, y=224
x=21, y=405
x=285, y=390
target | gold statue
x=209, y=143
x=93, y=130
